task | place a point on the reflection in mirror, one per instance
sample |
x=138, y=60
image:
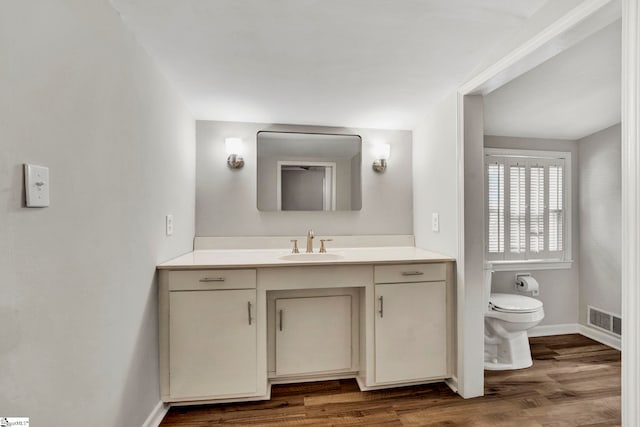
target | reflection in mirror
x=309, y=171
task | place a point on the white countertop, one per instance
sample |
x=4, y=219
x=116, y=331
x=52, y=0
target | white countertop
x=235, y=258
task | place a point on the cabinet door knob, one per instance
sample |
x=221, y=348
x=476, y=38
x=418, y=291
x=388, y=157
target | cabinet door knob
x=280, y=314
x=381, y=311
x=249, y=311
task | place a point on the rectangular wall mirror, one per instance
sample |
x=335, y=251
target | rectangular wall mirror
x=309, y=171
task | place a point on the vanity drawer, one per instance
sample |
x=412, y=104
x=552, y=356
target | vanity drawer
x=211, y=279
x=403, y=273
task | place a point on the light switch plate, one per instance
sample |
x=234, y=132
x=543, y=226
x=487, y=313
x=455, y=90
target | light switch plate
x=36, y=183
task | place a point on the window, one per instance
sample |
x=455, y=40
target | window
x=527, y=206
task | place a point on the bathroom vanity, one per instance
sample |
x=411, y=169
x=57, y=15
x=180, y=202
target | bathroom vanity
x=235, y=321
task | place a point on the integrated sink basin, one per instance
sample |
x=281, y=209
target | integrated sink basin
x=311, y=257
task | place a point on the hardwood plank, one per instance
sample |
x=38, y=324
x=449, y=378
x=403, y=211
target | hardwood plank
x=574, y=382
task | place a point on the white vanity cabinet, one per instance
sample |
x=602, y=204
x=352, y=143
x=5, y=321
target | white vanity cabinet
x=208, y=334
x=234, y=322
x=411, y=328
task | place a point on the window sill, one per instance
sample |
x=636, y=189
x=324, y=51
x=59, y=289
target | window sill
x=529, y=265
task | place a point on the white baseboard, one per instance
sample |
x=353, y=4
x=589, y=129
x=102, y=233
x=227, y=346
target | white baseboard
x=157, y=414
x=601, y=337
x=575, y=328
x=548, y=330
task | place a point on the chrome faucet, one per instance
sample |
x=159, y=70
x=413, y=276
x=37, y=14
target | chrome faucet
x=310, y=242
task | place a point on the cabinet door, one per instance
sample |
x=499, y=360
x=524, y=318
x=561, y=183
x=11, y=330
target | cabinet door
x=410, y=331
x=212, y=350
x=313, y=334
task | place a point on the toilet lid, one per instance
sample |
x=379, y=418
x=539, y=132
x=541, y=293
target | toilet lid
x=510, y=303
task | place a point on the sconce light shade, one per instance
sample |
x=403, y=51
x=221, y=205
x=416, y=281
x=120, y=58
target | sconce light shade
x=234, y=151
x=381, y=153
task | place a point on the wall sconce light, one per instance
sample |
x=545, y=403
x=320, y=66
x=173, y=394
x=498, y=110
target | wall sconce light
x=381, y=154
x=234, y=151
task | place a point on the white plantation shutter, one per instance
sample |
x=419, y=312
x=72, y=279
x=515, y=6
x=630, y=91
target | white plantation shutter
x=517, y=209
x=536, y=209
x=525, y=208
x=556, y=208
x=495, y=203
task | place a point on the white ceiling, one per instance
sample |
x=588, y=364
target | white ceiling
x=570, y=96
x=359, y=63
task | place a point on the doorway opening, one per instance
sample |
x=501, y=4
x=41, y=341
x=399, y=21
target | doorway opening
x=306, y=186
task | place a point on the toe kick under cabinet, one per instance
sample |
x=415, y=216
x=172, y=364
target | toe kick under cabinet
x=226, y=333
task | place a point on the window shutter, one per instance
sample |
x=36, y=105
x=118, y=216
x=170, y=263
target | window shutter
x=495, y=207
x=536, y=209
x=556, y=208
x=525, y=207
x=517, y=209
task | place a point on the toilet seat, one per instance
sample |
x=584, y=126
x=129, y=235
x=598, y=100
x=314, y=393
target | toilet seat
x=509, y=303
x=515, y=317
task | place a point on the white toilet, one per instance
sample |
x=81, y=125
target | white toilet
x=506, y=321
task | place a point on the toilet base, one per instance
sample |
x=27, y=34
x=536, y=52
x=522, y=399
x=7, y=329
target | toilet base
x=491, y=366
x=506, y=352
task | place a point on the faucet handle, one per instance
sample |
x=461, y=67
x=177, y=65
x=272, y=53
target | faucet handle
x=323, y=250
x=295, y=249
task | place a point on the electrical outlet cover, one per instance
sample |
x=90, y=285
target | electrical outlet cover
x=435, y=222
x=169, y=225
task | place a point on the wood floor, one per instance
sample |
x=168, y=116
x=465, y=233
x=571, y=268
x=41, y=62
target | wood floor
x=574, y=382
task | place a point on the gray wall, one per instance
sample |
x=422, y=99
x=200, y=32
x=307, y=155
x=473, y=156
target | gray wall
x=559, y=289
x=600, y=216
x=78, y=322
x=226, y=200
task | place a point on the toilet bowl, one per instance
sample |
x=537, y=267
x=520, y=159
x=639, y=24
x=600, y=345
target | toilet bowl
x=507, y=319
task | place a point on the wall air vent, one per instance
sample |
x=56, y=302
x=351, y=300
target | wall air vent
x=616, y=325
x=603, y=320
